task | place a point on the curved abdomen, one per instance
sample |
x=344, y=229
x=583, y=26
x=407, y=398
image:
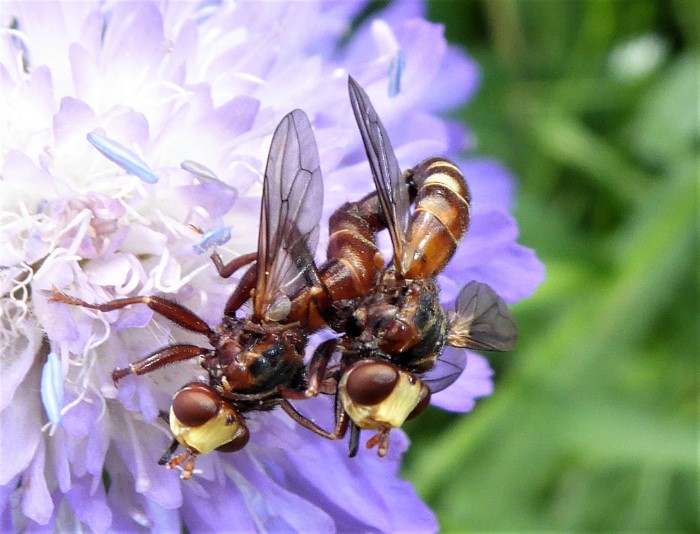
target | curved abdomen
x=441, y=218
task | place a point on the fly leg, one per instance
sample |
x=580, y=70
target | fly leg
x=159, y=358
x=167, y=308
x=227, y=269
x=316, y=375
x=341, y=420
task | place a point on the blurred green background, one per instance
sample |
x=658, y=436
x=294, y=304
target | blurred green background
x=594, y=421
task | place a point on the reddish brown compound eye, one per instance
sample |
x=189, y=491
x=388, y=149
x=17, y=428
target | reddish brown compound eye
x=195, y=404
x=421, y=406
x=369, y=383
x=237, y=443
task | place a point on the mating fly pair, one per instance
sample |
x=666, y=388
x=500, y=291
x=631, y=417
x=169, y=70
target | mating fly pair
x=392, y=324
x=393, y=349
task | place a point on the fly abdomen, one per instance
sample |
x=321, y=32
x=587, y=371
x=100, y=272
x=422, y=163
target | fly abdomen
x=353, y=265
x=354, y=261
x=441, y=217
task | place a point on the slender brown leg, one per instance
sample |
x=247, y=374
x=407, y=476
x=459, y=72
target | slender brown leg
x=226, y=270
x=341, y=423
x=167, y=308
x=242, y=292
x=161, y=357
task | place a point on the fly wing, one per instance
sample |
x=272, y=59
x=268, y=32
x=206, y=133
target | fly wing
x=388, y=179
x=289, y=218
x=481, y=320
x=447, y=369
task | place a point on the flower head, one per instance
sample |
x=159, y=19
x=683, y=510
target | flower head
x=130, y=127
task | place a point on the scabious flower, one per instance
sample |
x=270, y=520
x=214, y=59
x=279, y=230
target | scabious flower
x=101, y=103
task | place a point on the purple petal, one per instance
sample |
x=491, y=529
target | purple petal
x=216, y=199
x=80, y=419
x=489, y=254
x=202, y=514
x=111, y=271
x=271, y=505
x=73, y=119
x=457, y=81
x=36, y=501
x=17, y=171
x=140, y=445
x=142, y=240
x=514, y=275
x=353, y=482
x=490, y=183
x=21, y=425
x=65, y=21
x=475, y=381
x=228, y=121
x=88, y=500
x=7, y=492
x=133, y=39
x=17, y=360
x=58, y=449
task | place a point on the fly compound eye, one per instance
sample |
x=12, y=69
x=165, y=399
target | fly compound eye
x=369, y=383
x=202, y=421
x=195, y=404
x=423, y=403
x=239, y=441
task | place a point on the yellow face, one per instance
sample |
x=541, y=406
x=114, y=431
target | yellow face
x=202, y=421
x=378, y=395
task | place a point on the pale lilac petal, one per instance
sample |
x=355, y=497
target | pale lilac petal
x=216, y=200
x=280, y=509
x=202, y=514
x=59, y=458
x=73, y=119
x=36, y=501
x=133, y=40
x=6, y=493
x=344, y=491
x=490, y=254
x=16, y=361
x=458, y=80
x=490, y=183
x=20, y=428
x=515, y=274
x=88, y=500
x=475, y=381
x=17, y=171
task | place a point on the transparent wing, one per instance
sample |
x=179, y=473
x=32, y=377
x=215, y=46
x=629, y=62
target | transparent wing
x=481, y=320
x=289, y=218
x=388, y=179
x=447, y=369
